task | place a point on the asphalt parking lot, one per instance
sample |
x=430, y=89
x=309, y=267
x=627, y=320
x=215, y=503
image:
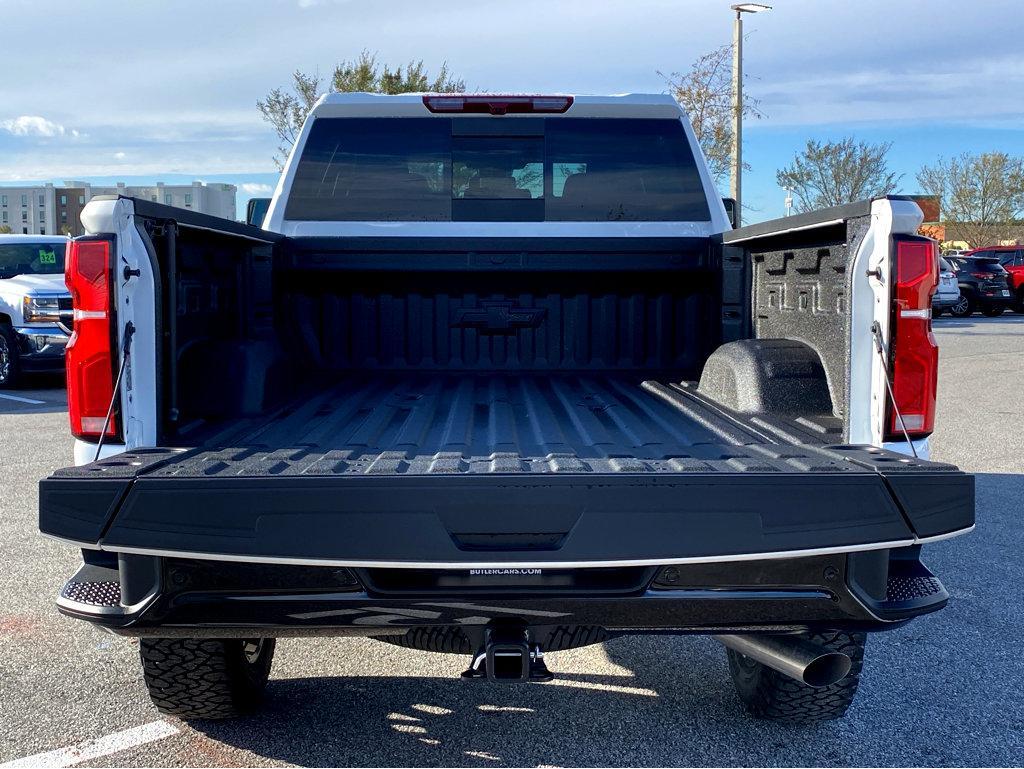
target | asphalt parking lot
x=945, y=690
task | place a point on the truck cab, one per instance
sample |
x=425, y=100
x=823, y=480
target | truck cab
x=497, y=378
x=35, y=306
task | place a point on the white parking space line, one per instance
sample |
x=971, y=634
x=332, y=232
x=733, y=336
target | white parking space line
x=90, y=749
x=20, y=399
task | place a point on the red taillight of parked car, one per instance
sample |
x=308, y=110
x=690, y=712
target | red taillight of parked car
x=89, y=356
x=914, y=356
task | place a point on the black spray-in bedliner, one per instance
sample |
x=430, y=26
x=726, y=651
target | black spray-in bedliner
x=445, y=424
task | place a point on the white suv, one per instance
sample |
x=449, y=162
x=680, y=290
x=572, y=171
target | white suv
x=35, y=306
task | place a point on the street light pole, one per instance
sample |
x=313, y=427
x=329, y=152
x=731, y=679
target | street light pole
x=735, y=178
x=736, y=175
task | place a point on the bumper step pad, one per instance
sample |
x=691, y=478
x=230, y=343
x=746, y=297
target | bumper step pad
x=92, y=593
x=901, y=589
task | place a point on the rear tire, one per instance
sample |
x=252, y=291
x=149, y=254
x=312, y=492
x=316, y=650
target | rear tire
x=992, y=312
x=10, y=371
x=963, y=308
x=205, y=677
x=1018, y=302
x=936, y=312
x=768, y=694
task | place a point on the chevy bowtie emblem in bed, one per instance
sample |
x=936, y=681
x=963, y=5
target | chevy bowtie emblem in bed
x=499, y=317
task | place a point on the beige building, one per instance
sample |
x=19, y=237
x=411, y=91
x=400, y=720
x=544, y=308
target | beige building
x=28, y=210
x=215, y=198
x=54, y=210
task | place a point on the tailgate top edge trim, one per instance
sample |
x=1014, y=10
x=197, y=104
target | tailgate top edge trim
x=371, y=564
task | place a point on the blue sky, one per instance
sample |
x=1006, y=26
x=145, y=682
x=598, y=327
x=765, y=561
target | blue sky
x=143, y=90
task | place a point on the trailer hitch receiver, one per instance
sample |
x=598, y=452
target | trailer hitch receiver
x=509, y=656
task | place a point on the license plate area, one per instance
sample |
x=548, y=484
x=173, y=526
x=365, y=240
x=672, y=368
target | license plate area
x=498, y=580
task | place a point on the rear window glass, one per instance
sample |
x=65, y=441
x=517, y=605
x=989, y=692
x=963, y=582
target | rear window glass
x=944, y=265
x=606, y=170
x=373, y=170
x=568, y=169
x=984, y=265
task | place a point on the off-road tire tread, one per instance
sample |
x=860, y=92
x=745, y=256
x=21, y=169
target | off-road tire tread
x=780, y=698
x=574, y=636
x=446, y=640
x=203, y=678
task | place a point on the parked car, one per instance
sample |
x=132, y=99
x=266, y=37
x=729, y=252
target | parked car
x=947, y=294
x=499, y=379
x=1012, y=260
x=984, y=286
x=35, y=306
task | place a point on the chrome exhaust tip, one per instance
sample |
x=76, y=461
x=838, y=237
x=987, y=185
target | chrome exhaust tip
x=792, y=656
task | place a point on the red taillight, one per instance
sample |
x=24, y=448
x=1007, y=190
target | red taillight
x=89, y=356
x=496, y=105
x=913, y=352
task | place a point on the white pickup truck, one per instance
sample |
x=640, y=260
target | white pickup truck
x=35, y=306
x=496, y=378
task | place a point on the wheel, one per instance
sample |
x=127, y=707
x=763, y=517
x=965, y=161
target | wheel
x=990, y=311
x=768, y=694
x=206, y=678
x=9, y=369
x=1018, y=302
x=936, y=312
x=963, y=308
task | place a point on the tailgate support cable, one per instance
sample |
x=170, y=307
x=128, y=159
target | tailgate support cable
x=126, y=347
x=876, y=333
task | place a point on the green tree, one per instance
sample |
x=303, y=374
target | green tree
x=286, y=109
x=981, y=196
x=5, y=229
x=705, y=93
x=832, y=173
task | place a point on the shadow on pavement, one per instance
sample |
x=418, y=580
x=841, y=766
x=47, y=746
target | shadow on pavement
x=584, y=720
x=925, y=698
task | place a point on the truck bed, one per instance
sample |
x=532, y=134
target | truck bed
x=443, y=423
x=446, y=469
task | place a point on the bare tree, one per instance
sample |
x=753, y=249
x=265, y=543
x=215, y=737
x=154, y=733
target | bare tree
x=981, y=196
x=5, y=229
x=832, y=173
x=286, y=109
x=705, y=93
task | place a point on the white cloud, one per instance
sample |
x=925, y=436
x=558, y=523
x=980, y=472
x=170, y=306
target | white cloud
x=35, y=125
x=120, y=155
x=960, y=89
x=255, y=188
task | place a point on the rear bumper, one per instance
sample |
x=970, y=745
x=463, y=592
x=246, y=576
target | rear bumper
x=995, y=297
x=945, y=301
x=168, y=597
x=685, y=552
